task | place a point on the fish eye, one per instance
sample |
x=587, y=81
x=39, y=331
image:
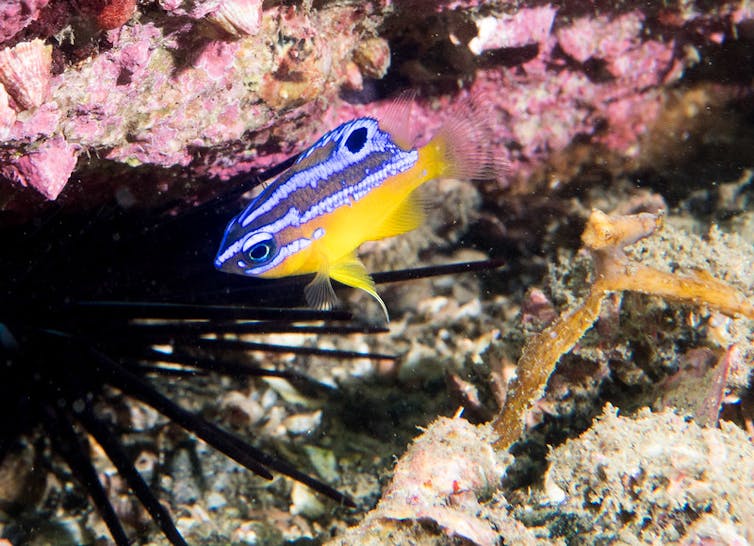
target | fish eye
x=260, y=251
x=356, y=140
x=259, y=248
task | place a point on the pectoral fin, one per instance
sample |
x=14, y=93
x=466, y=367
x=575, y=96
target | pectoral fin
x=351, y=272
x=408, y=216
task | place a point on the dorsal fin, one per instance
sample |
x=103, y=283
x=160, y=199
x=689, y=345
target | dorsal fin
x=396, y=119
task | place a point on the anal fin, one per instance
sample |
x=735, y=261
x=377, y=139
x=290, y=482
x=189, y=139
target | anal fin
x=408, y=216
x=351, y=272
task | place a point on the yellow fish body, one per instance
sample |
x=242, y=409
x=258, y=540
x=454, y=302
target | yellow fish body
x=355, y=184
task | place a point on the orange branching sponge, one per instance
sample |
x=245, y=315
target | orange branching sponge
x=605, y=237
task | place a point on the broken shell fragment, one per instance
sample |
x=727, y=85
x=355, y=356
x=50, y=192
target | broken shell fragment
x=238, y=17
x=25, y=72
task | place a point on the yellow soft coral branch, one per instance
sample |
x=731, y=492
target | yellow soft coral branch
x=604, y=237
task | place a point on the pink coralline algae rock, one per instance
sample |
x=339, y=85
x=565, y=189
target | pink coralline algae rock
x=216, y=87
x=47, y=168
x=524, y=27
x=540, y=105
x=619, y=43
x=15, y=15
x=601, y=37
x=545, y=102
x=204, y=77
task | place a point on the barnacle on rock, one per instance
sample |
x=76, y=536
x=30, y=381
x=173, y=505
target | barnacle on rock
x=238, y=18
x=373, y=57
x=25, y=72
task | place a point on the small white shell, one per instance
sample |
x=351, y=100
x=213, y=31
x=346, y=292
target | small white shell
x=238, y=17
x=7, y=114
x=25, y=71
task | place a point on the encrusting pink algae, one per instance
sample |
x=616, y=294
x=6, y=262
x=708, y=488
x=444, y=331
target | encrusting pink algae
x=215, y=88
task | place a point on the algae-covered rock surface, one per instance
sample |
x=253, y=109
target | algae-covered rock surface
x=653, y=478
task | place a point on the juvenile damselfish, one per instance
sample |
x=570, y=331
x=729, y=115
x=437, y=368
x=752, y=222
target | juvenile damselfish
x=357, y=183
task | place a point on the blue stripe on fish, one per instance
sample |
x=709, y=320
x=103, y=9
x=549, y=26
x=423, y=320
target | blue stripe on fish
x=338, y=158
x=357, y=191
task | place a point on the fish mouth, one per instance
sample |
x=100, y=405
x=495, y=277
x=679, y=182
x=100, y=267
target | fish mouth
x=219, y=262
x=224, y=257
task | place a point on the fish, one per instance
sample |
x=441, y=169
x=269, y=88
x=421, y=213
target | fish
x=357, y=183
